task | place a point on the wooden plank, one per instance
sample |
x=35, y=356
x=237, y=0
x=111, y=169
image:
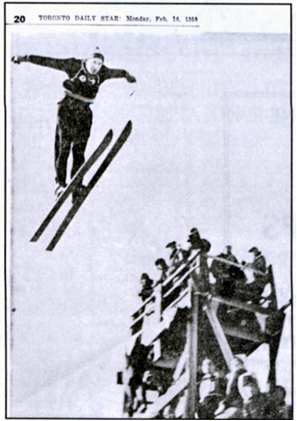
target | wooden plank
x=171, y=393
x=243, y=335
x=219, y=333
x=253, y=308
x=178, y=283
x=171, y=277
x=242, y=267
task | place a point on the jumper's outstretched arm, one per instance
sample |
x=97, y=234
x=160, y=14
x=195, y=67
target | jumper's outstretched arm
x=118, y=73
x=54, y=63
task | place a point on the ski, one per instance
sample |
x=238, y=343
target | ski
x=72, y=212
x=77, y=179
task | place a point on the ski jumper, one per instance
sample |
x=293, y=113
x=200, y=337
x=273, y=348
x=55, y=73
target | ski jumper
x=74, y=112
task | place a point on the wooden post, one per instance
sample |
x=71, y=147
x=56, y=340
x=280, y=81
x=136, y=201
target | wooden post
x=192, y=338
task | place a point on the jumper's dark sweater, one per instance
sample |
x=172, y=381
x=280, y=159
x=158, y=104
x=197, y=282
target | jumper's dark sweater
x=80, y=83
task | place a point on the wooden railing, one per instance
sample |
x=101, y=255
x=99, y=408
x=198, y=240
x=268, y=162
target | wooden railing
x=165, y=298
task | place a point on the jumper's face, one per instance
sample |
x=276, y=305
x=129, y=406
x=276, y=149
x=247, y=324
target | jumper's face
x=208, y=367
x=93, y=65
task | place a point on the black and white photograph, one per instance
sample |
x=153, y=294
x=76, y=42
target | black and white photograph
x=149, y=210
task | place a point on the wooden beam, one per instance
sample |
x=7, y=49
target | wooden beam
x=244, y=335
x=178, y=283
x=219, y=332
x=253, y=308
x=242, y=267
x=171, y=393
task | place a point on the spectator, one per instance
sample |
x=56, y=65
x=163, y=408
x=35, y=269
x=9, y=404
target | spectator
x=211, y=391
x=279, y=410
x=194, y=240
x=255, y=403
x=229, y=255
x=174, y=251
x=237, y=279
x=225, y=285
x=259, y=262
x=163, y=267
x=175, y=260
x=254, y=290
x=233, y=400
x=205, y=245
x=138, y=363
x=221, y=372
x=147, y=286
x=184, y=254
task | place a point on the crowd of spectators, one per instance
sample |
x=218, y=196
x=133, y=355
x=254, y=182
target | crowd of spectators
x=237, y=395
x=230, y=280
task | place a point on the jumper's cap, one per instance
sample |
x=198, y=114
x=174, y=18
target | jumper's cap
x=97, y=54
x=171, y=245
x=254, y=249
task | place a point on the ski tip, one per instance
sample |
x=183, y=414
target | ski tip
x=127, y=129
x=35, y=237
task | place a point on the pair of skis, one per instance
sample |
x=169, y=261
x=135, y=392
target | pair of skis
x=76, y=182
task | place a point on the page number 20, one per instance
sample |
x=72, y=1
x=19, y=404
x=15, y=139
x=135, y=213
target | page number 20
x=19, y=19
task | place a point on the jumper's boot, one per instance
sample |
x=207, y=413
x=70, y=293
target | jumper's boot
x=60, y=190
x=79, y=193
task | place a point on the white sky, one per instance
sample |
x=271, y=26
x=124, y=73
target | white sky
x=211, y=131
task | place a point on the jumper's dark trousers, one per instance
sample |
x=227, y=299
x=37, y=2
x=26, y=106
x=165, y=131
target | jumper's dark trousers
x=73, y=128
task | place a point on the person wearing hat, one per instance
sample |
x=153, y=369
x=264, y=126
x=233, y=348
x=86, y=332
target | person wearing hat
x=259, y=262
x=278, y=408
x=174, y=257
x=197, y=243
x=194, y=239
x=163, y=267
x=229, y=406
x=229, y=255
x=254, y=290
x=147, y=287
x=211, y=391
x=255, y=403
x=74, y=112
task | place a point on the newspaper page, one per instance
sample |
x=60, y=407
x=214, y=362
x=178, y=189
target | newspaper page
x=148, y=199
